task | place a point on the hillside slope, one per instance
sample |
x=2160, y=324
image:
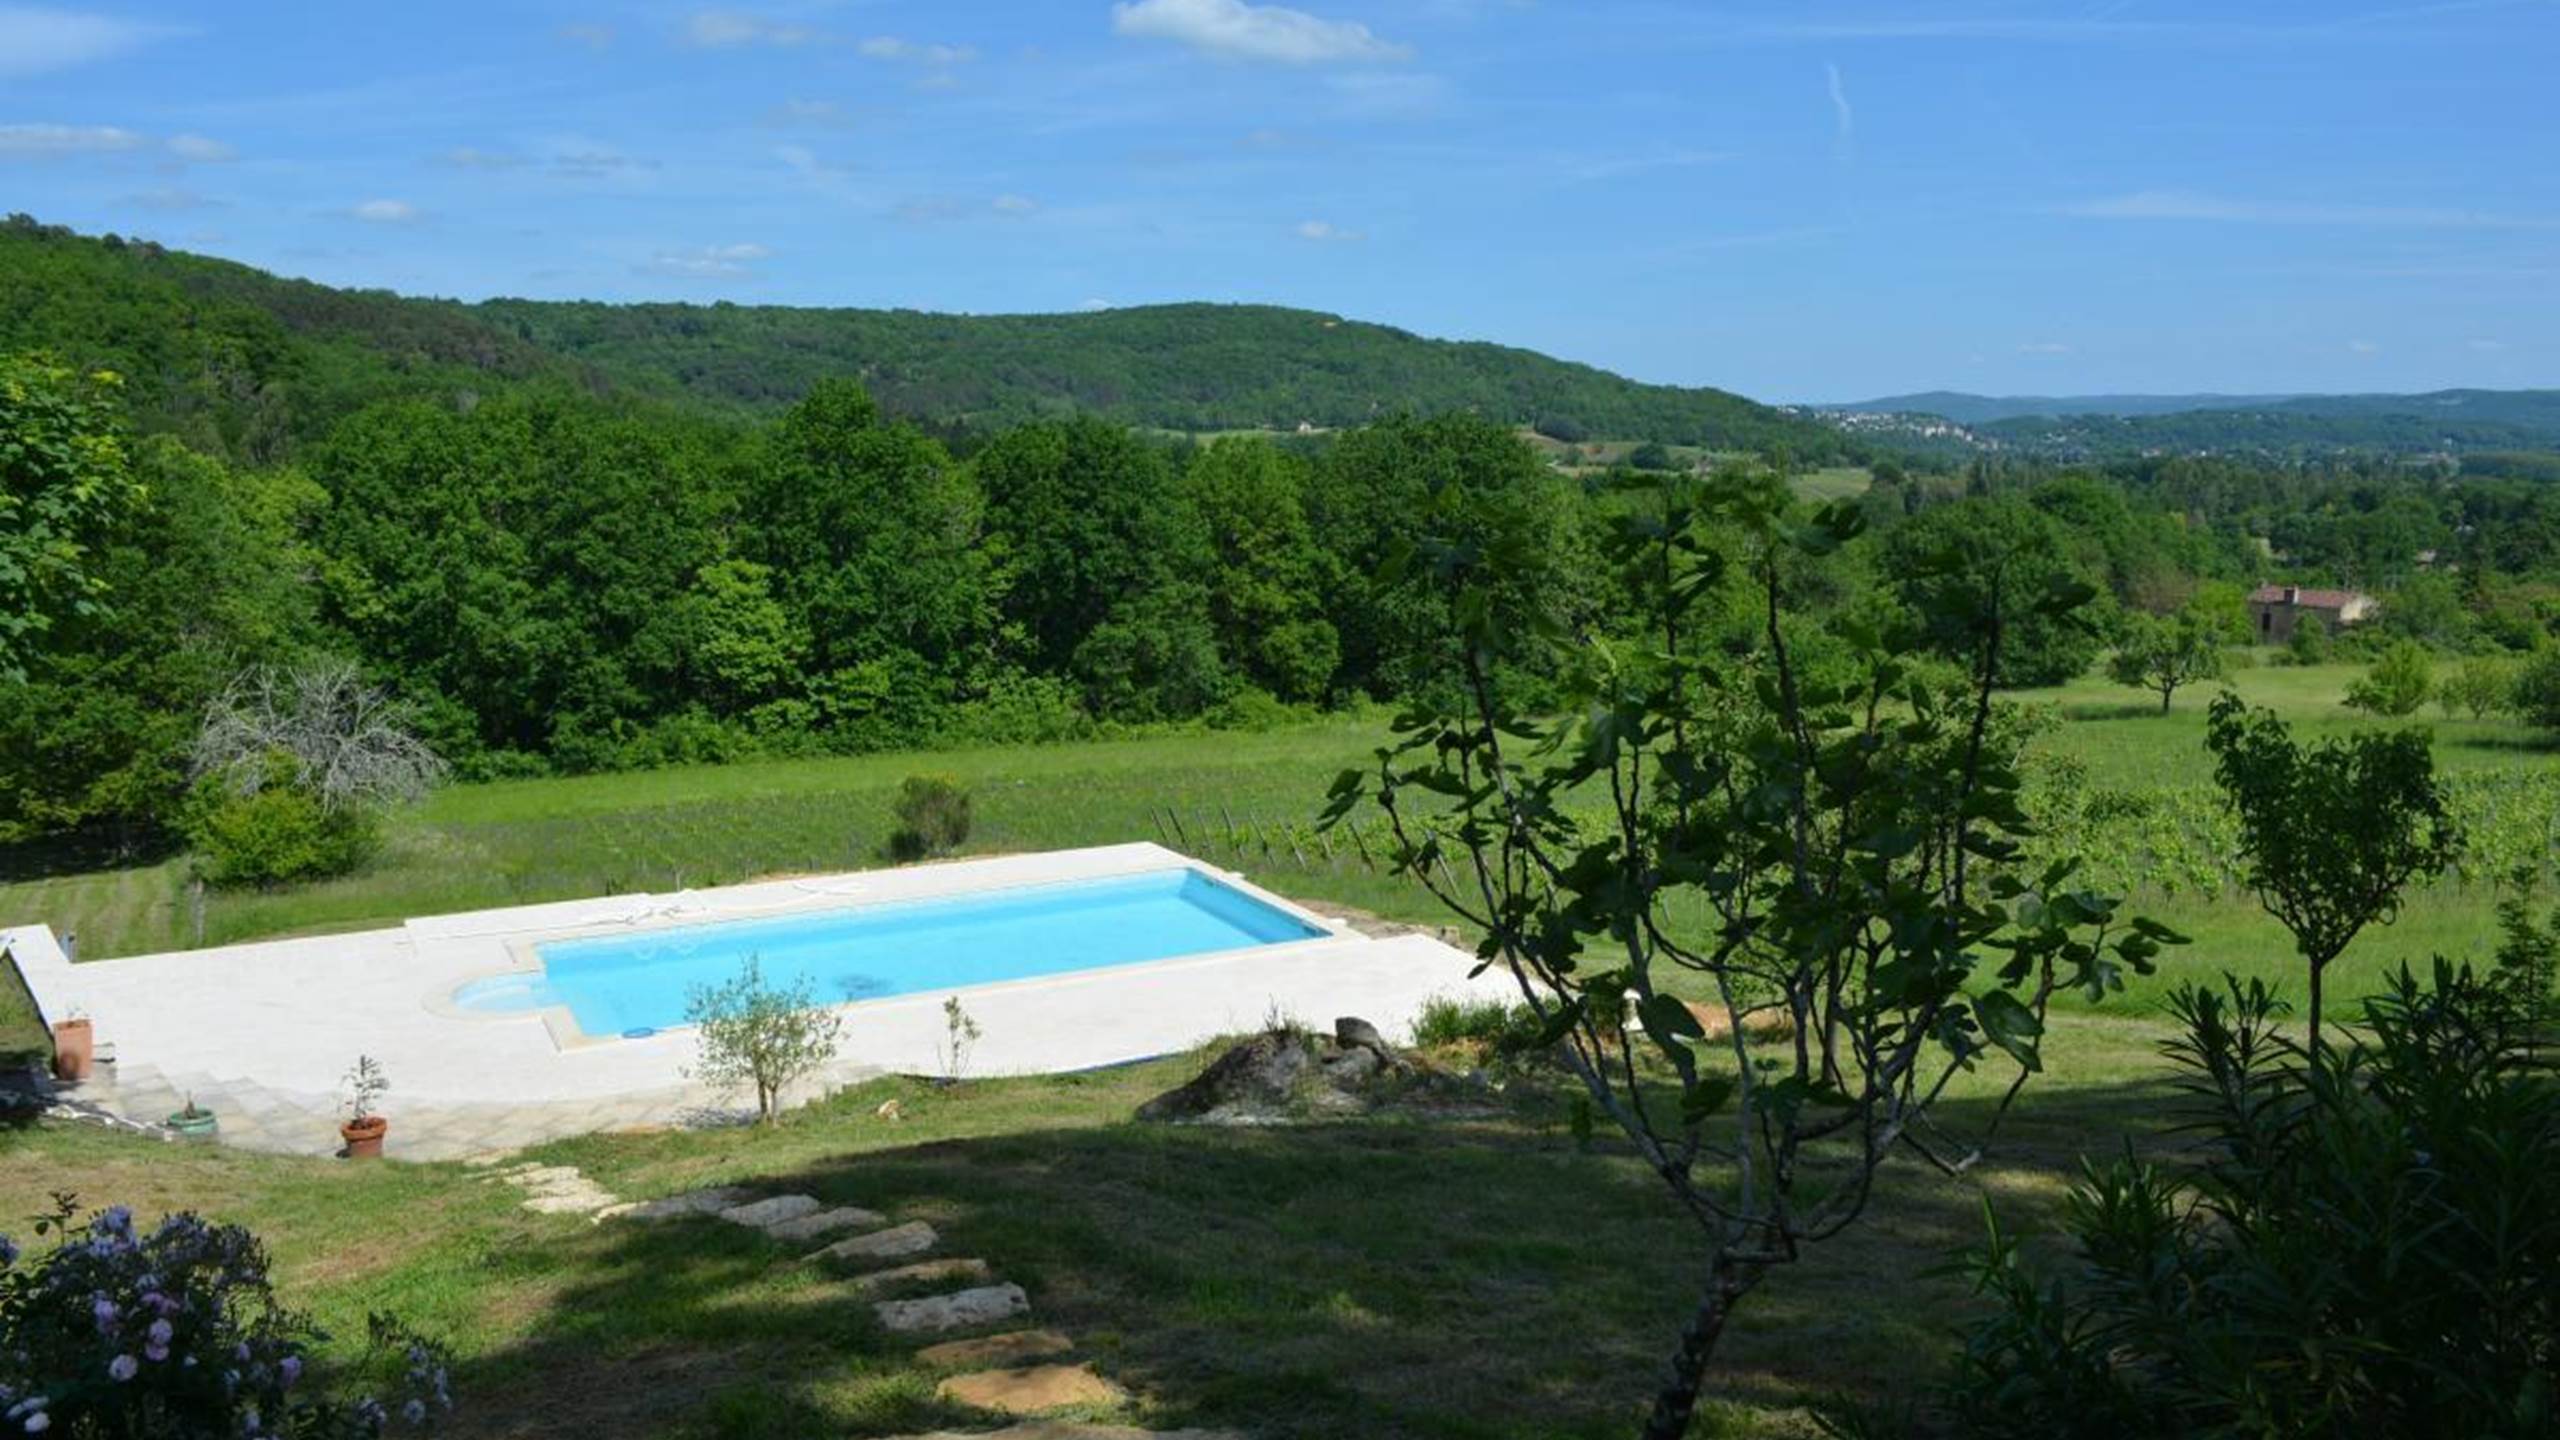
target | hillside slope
x=250, y=363
x=1179, y=367
x=1966, y=408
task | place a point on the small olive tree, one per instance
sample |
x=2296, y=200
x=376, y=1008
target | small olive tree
x=1807, y=828
x=760, y=1036
x=2332, y=832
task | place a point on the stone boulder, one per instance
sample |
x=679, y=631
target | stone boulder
x=1284, y=1075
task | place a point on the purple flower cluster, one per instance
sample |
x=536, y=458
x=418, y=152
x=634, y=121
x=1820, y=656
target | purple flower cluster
x=119, y=1330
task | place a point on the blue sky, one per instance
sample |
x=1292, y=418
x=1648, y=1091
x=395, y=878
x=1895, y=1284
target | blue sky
x=1796, y=201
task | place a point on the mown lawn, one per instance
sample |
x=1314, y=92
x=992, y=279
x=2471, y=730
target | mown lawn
x=1485, y=1278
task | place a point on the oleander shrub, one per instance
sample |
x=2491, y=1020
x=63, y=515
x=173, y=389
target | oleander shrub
x=2364, y=1245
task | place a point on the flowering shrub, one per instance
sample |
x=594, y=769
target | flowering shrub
x=175, y=1333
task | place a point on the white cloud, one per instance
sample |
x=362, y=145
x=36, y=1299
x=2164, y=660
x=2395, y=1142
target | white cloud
x=198, y=150
x=2487, y=347
x=1097, y=303
x=890, y=47
x=725, y=29
x=2191, y=205
x=708, y=262
x=385, y=212
x=1235, y=30
x=586, y=160
x=1014, y=205
x=2363, y=347
x=2044, y=347
x=1846, y=119
x=465, y=157
x=808, y=165
x=47, y=142
x=1324, y=232
x=594, y=37
x=34, y=40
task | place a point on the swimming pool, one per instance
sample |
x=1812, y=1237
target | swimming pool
x=620, y=984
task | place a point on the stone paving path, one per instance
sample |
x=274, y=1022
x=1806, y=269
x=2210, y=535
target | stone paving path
x=258, y=1117
x=1020, y=1372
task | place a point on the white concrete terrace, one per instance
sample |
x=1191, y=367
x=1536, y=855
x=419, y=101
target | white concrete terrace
x=275, y=1024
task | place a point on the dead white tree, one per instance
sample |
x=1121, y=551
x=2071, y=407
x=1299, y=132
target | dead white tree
x=337, y=734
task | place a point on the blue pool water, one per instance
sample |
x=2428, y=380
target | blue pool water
x=621, y=983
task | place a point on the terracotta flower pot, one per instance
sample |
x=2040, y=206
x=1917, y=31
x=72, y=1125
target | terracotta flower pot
x=74, y=1047
x=364, y=1137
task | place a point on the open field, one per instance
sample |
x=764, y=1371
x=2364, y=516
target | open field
x=1482, y=1278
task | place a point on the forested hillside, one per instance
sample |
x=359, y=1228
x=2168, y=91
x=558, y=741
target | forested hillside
x=1175, y=367
x=233, y=358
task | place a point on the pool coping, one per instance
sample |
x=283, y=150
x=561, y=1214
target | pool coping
x=560, y=1022
x=274, y=1021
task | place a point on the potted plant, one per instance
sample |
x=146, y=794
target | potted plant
x=364, y=1129
x=195, y=1122
x=74, y=1048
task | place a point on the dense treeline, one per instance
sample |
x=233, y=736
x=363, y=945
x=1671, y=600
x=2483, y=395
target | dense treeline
x=250, y=365
x=552, y=581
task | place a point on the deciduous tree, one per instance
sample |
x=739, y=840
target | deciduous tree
x=2331, y=832
x=1698, y=831
x=2165, y=654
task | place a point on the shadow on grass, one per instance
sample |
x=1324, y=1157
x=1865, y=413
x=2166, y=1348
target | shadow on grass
x=2115, y=710
x=83, y=852
x=2535, y=744
x=1379, y=1278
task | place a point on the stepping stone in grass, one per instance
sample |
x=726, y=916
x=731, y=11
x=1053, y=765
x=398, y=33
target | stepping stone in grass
x=826, y=1222
x=1069, y=1430
x=957, y=1270
x=1014, y=1347
x=585, y=1201
x=761, y=1213
x=678, y=1207
x=1032, y=1389
x=896, y=1243
x=985, y=1305
x=529, y=1176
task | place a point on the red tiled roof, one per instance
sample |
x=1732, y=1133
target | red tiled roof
x=2305, y=597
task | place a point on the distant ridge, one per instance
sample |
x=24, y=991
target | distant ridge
x=2501, y=407
x=1969, y=409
